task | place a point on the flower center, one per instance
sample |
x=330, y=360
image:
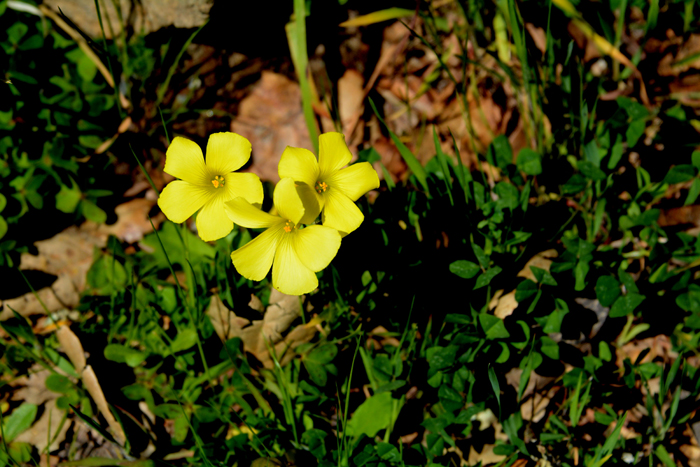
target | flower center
x=321, y=187
x=289, y=226
x=218, y=181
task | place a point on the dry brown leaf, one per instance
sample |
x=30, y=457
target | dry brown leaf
x=541, y=260
x=506, y=305
x=67, y=255
x=51, y=425
x=350, y=99
x=132, y=221
x=486, y=456
x=259, y=334
x=70, y=344
x=271, y=117
x=32, y=388
x=670, y=66
x=148, y=15
x=95, y=390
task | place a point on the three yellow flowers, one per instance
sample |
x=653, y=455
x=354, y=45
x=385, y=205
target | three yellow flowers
x=291, y=245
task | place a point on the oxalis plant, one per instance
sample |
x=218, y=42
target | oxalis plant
x=292, y=244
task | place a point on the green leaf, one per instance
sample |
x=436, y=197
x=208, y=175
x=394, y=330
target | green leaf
x=543, y=276
x=371, y=416
x=67, y=199
x=315, y=440
x=480, y=256
x=464, y=269
x=576, y=184
x=3, y=202
x=529, y=161
x=503, y=151
x=607, y=289
x=508, y=195
x=485, y=278
x=493, y=379
x=58, y=383
x=634, y=132
x=695, y=158
x=525, y=289
x=493, y=326
x=184, y=340
x=322, y=354
x=591, y=171
x=3, y=227
x=122, y=354
x=680, y=173
x=693, y=193
x=626, y=304
x=450, y=399
x=92, y=212
x=18, y=421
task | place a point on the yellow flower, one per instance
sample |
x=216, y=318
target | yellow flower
x=326, y=186
x=295, y=254
x=208, y=185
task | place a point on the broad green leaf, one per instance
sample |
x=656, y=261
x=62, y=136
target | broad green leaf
x=372, y=416
x=591, y=171
x=18, y=421
x=502, y=150
x=67, y=199
x=58, y=383
x=626, y=304
x=525, y=289
x=493, y=326
x=184, y=340
x=607, y=289
x=464, y=269
x=485, y=279
x=680, y=173
x=122, y=354
x=508, y=195
x=529, y=161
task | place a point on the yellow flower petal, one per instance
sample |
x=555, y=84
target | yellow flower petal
x=254, y=260
x=246, y=185
x=340, y=212
x=289, y=274
x=333, y=154
x=287, y=201
x=298, y=164
x=212, y=221
x=227, y=152
x=179, y=200
x=316, y=246
x=355, y=181
x=243, y=213
x=312, y=201
x=185, y=161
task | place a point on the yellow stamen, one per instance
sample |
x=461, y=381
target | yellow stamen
x=289, y=226
x=321, y=187
x=218, y=181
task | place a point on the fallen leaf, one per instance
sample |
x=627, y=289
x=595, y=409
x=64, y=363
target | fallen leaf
x=271, y=117
x=350, y=99
x=541, y=260
x=132, y=221
x=70, y=344
x=506, y=305
x=52, y=425
x=67, y=255
x=32, y=388
x=259, y=334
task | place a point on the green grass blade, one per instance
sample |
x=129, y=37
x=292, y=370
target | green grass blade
x=407, y=155
x=296, y=37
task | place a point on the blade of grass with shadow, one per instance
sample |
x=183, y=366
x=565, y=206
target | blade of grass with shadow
x=407, y=155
